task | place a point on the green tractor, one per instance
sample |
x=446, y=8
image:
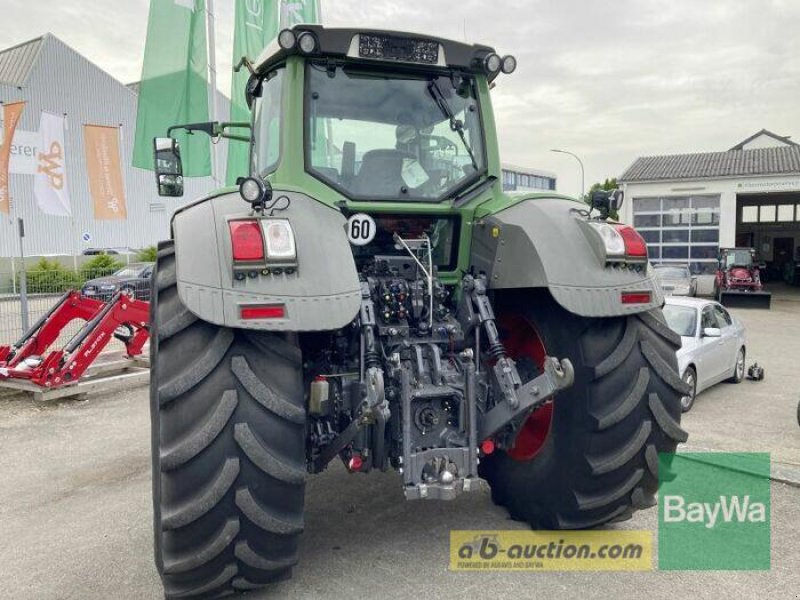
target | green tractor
x=369, y=293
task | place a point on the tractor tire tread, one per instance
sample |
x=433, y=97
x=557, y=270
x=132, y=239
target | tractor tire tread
x=201, y=368
x=599, y=464
x=228, y=440
x=190, y=446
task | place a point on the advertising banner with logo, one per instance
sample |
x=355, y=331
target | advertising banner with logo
x=24, y=148
x=50, y=185
x=11, y=115
x=105, y=172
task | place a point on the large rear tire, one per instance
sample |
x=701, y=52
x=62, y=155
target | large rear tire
x=596, y=460
x=228, y=448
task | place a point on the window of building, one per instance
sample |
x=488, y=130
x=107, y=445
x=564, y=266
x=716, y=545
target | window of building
x=785, y=212
x=749, y=214
x=767, y=214
x=651, y=236
x=680, y=229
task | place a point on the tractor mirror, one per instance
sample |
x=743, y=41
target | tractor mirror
x=168, y=166
x=712, y=332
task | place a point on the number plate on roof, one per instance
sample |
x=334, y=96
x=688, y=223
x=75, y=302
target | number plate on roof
x=397, y=48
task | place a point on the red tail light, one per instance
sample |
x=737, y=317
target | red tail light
x=274, y=311
x=636, y=297
x=247, y=240
x=635, y=246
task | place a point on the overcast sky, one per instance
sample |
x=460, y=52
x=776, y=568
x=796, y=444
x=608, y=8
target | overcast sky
x=609, y=81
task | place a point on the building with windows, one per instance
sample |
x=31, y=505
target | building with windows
x=687, y=206
x=519, y=179
x=53, y=78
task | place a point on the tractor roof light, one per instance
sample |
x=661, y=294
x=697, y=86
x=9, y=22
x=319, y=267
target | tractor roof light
x=287, y=39
x=508, y=64
x=492, y=63
x=307, y=42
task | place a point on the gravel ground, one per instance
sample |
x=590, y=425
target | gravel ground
x=75, y=513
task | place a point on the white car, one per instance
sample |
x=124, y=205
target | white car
x=713, y=344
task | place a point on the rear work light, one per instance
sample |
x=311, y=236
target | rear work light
x=272, y=311
x=247, y=241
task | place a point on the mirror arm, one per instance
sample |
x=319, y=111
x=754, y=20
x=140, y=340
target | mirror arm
x=214, y=129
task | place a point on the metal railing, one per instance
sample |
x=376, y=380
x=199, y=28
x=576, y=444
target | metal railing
x=44, y=288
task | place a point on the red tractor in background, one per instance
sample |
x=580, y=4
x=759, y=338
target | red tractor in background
x=738, y=283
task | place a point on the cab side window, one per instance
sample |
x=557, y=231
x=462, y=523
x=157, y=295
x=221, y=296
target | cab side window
x=723, y=317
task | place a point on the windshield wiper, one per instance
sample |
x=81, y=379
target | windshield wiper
x=455, y=124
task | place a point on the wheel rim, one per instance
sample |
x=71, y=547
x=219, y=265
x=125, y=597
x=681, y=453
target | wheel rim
x=740, y=365
x=522, y=340
x=686, y=401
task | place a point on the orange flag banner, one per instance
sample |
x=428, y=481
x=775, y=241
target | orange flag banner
x=105, y=171
x=11, y=115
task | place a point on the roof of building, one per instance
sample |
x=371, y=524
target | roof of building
x=17, y=61
x=781, y=138
x=760, y=161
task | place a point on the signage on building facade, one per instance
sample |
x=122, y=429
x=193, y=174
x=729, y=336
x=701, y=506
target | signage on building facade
x=767, y=185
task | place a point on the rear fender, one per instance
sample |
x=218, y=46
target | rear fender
x=322, y=294
x=541, y=243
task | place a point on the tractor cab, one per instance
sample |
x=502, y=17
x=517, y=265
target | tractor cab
x=367, y=116
x=736, y=257
x=384, y=116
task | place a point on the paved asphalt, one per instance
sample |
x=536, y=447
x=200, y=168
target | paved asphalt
x=75, y=513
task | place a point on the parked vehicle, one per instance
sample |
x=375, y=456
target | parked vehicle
x=388, y=305
x=676, y=280
x=738, y=281
x=713, y=344
x=110, y=251
x=133, y=280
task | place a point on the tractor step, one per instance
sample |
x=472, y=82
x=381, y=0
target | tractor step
x=732, y=299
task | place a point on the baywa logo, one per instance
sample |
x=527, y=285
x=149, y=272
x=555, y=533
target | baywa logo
x=714, y=511
x=728, y=509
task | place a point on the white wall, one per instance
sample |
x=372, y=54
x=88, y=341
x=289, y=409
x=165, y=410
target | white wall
x=763, y=141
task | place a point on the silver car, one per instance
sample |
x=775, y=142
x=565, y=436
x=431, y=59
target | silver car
x=713, y=347
x=676, y=280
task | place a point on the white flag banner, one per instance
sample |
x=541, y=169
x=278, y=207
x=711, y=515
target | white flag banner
x=50, y=186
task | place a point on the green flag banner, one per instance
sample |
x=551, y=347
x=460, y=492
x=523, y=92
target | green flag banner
x=174, y=87
x=257, y=23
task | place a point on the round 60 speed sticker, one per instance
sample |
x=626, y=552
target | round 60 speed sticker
x=361, y=229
